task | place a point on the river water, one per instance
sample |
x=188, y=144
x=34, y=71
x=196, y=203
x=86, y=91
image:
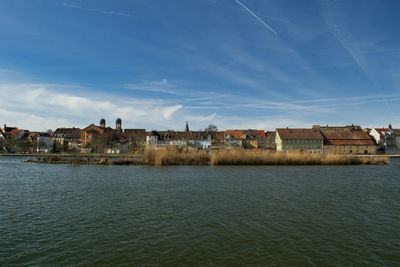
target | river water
x=183, y=215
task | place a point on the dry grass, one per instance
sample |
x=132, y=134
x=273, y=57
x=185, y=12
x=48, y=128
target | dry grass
x=168, y=156
x=171, y=156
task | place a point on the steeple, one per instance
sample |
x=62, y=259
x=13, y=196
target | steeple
x=103, y=123
x=187, y=127
x=118, y=124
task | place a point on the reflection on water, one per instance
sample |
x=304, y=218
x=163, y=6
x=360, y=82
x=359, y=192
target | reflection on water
x=69, y=215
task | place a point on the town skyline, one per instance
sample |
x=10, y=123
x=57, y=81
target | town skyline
x=235, y=64
x=112, y=124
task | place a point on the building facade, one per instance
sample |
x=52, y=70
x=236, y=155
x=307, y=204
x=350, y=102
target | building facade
x=299, y=139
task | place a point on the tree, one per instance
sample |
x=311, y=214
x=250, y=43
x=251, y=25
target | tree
x=98, y=143
x=55, y=148
x=211, y=128
x=65, y=146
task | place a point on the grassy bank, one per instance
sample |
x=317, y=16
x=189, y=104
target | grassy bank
x=165, y=156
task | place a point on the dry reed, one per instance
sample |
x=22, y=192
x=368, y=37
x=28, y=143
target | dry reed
x=169, y=156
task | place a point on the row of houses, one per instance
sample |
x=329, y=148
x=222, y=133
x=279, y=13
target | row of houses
x=350, y=139
x=12, y=138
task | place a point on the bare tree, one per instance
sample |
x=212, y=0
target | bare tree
x=211, y=128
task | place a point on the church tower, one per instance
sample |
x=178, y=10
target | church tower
x=103, y=123
x=118, y=124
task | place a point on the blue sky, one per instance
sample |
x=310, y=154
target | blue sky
x=236, y=64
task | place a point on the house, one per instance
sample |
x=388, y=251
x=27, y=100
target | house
x=384, y=138
x=187, y=139
x=7, y=129
x=70, y=136
x=16, y=132
x=169, y=138
x=397, y=137
x=248, y=139
x=347, y=139
x=233, y=139
x=44, y=142
x=90, y=133
x=299, y=139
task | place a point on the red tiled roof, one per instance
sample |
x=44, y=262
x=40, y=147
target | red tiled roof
x=261, y=133
x=15, y=132
x=237, y=134
x=299, y=134
x=337, y=137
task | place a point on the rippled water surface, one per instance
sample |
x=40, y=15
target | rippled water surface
x=111, y=215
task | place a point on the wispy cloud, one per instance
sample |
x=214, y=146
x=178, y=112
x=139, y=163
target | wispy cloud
x=153, y=86
x=105, y=12
x=354, y=47
x=257, y=17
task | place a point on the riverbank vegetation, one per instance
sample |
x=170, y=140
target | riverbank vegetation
x=167, y=156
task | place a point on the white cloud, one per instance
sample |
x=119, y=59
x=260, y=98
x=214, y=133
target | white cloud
x=40, y=106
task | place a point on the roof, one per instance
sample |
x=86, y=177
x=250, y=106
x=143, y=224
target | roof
x=237, y=134
x=191, y=135
x=383, y=131
x=68, y=133
x=341, y=128
x=299, y=134
x=396, y=132
x=43, y=134
x=15, y=132
x=339, y=137
x=135, y=131
x=100, y=130
x=135, y=134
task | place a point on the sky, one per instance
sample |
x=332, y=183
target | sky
x=237, y=64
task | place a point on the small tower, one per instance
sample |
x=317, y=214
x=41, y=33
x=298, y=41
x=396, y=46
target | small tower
x=103, y=123
x=187, y=127
x=118, y=124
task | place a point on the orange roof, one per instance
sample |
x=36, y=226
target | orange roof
x=261, y=133
x=15, y=132
x=234, y=133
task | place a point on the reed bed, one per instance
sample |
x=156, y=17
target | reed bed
x=165, y=156
x=168, y=156
x=171, y=156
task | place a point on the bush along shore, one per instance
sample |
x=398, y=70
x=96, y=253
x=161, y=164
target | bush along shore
x=165, y=157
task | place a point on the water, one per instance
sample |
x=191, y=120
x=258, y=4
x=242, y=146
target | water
x=137, y=215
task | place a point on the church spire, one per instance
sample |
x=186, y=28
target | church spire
x=187, y=127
